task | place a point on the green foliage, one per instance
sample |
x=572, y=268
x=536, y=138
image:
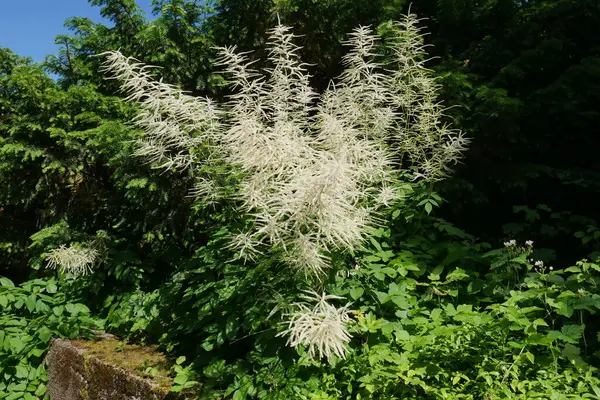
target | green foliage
x=438, y=314
x=524, y=75
x=429, y=326
x=31, y=315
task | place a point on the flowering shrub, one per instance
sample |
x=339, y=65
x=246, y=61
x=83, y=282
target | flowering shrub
x=314, y=168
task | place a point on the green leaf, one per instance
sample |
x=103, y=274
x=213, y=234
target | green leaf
x=41, y=389
x=15, y=395
x=238, y=395
x=71, y=309
x=573, y=331
x=30, y=303
x=375, y=243
x=555, y=279
x=41, y=307
x=401, y=301
x=356, y=292
x=530, y=357
x=382, y=297
x=36, y=352
x=180, y=379
x=457, y=275
x=6, y=282
x=51, y=288
x=215, y=369
x=402, y=335
x=571, y=352
x=16, y=344
x=428, y=208
x=44, y=334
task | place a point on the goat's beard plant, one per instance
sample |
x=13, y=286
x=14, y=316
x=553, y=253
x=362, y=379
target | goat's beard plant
x=316, y=168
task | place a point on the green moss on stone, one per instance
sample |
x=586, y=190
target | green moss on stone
x=109, y=369
x=134, y=359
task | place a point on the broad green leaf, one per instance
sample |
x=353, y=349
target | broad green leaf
x=30, y=303
x=44, y=334
x=51, y=288
x=356, y=292
x=6, y=282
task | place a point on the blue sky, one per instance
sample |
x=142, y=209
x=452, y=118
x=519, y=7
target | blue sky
x=28, y=27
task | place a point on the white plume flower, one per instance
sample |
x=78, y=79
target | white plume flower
x=174, y=123
x=424, y=140
x=315, y=167
x=319, y=326
x=72, y=260
x=247, y=248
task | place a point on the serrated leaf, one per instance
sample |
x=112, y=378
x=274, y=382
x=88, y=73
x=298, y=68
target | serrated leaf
x=573, y=331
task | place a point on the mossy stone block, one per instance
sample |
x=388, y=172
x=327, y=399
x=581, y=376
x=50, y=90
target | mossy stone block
x=107, y=369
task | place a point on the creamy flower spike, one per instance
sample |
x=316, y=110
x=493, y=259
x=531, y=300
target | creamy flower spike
x=319, y=326
x=72, y=260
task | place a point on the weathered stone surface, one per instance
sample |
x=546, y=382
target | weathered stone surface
x=105, y=370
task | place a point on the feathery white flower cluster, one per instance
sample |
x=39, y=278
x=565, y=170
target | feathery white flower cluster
x=319, y=326
x=72, y=260
x=174, y=123
x=429, y=145
x=310, y=162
